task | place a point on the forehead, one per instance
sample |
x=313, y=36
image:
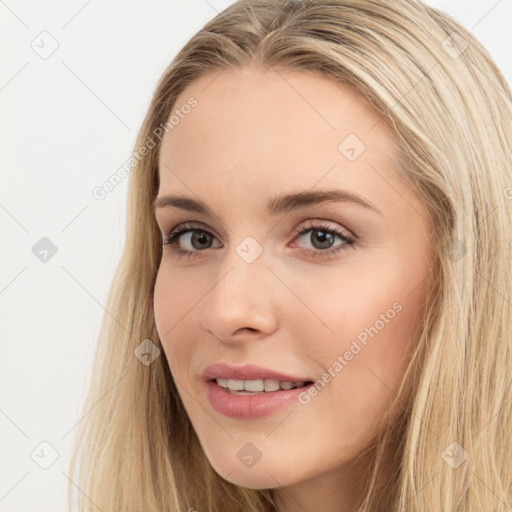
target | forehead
x=256, y=128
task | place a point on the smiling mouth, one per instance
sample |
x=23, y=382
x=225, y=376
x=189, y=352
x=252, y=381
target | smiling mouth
x=258, y=386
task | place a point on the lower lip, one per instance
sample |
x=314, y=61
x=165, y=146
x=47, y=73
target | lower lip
x=251, y=406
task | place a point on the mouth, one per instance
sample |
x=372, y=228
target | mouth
x=252, y=391
x=257, y=386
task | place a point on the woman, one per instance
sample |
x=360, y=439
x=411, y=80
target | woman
x=342, y=341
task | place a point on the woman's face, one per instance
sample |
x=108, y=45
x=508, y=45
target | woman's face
x=251, y=290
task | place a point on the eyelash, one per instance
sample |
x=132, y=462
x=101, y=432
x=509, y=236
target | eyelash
x=173, y=237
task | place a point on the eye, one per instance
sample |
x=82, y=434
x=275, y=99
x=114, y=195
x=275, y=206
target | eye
x=324, y=236
x=198, y=239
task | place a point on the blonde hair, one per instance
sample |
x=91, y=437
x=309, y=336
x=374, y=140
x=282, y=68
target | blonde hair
x=450, y=108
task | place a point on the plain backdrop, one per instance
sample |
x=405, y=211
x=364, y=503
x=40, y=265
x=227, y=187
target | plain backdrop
x=76, y=80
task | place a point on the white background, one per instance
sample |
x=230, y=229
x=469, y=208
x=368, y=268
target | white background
x=67, y=123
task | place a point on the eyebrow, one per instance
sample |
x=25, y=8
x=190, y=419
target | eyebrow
x=279, y=204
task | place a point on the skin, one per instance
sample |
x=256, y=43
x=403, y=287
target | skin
x=253, y=135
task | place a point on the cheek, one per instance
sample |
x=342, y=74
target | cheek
x=173, y=303
x=174, y=296
x=352, y=307
x=164, y=302
x=366, y=358
x=370, y=322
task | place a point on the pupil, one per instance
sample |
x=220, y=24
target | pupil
x=201, y=237
x=328, y=236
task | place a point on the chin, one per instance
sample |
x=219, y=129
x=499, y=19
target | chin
x=253, y=479
x=259, y=476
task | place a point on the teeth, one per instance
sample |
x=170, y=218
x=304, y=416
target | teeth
x=271, y=385
x=236, y=385
x=255, y=386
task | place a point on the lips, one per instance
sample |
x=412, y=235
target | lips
x=249, y=372
x=249, y=404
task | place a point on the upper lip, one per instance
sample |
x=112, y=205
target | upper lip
x=247, y=372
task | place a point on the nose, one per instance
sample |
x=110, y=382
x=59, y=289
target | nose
x=243, y=299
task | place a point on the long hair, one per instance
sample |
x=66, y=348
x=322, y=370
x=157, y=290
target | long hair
x=450, y=107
